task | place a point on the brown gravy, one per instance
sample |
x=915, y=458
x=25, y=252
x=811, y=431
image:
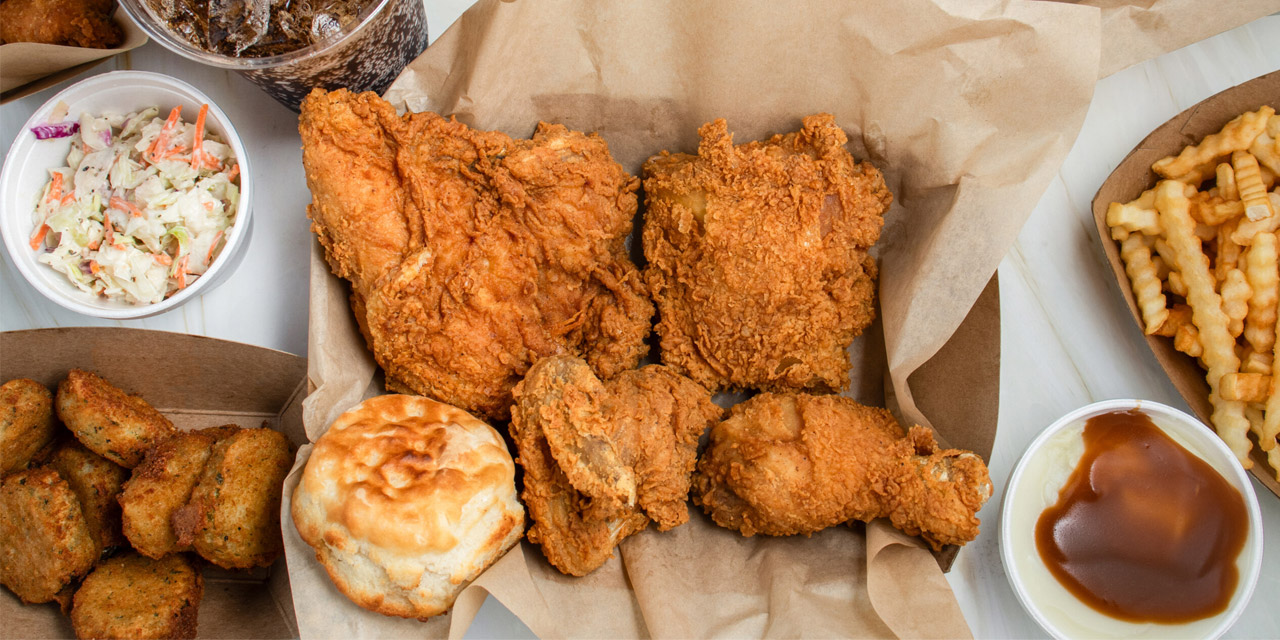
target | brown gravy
x=1144, y=530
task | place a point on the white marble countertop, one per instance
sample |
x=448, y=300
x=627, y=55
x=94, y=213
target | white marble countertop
x=1067, y=339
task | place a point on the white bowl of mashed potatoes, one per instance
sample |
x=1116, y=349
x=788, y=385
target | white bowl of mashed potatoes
x=1131, y=519
x=146, y=213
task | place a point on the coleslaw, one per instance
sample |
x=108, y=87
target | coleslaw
x=142, y=207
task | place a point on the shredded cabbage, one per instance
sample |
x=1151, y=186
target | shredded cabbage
x=129, y=217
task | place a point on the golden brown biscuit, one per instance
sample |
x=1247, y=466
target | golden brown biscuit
x=44, y=540
x=26, y=422
x=131, y=596
x=233, y=518
x=406, y=500
x=161, y=485
x=113, y=424
x=96, y=482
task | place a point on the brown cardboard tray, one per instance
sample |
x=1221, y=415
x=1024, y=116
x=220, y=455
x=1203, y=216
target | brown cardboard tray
x=196, y=382
x=1133, y=176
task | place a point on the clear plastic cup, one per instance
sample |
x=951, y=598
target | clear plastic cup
x=366, y=57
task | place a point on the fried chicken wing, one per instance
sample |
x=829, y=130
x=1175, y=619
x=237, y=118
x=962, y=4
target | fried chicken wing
x=788, y=464
x=758, y=256
x=601, y=459
x=472, y=254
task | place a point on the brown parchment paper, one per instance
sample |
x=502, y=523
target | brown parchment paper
x=1137, y=30
x=968, y=108
x=26, y=65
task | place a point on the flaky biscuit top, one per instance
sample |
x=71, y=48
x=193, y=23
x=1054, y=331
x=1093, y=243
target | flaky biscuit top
x=402, y=473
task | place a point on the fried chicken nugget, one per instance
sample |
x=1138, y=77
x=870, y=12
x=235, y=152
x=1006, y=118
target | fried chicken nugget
x=758, y=257
x=161, y=485
x=45, y=542
x=130, y=596
x=113, y=424
x=233, y=518
x=77, y=23
x=795, y=464
x=602, y=459
x=26, y=422
x=96, y=482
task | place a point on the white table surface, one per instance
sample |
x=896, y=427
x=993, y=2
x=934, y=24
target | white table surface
x=1066, y=337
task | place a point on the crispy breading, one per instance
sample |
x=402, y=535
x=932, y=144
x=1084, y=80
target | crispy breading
x=112, y=423
x=96, y=482
x=26, y=422
x=233, y=518
x=788, y=464
x=45, y=542
x=130, y=596
x=602, y=459
x=161, y=485
x=758, y=258
x=472, y=254
x=77, y=23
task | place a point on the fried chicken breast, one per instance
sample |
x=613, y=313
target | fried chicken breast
x=110, y=422
x=603, y=459
x=472, y=254
x=795, y=464
x=758, y=256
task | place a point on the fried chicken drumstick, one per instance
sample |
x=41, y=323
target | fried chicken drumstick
x=603, y=459
x=758, y=256
x=787, y=464
x=471, y=254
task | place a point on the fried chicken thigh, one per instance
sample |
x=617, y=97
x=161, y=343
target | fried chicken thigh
x=472, y=254
x=788, y=464
x=602, y=460
x=758, y=256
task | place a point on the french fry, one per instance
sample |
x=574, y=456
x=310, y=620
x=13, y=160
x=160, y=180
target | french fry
x=1187, y=340
x=1136, y=254
x=1255, y=362
x=1249, y=181
x=1271, y=415
x=1237, y=135
x=1219, y=352
x=1176, y=285
x=1262, y=268
x=1273, y=127
x=1246, y=387
x=1227, y=182
x=1228, y=257
x=1179, y=315
x=1216, y=210
x=1264, y=149
x=1235, y=295
x=1133, y=219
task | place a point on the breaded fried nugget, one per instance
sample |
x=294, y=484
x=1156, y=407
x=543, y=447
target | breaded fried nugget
x=77, y=23
x=112, y=423
x=131, y=596
x=26, y=422
x=96, y=482
x=233, y=518
x=161, y=485
x=758, y=256
x=44, y=539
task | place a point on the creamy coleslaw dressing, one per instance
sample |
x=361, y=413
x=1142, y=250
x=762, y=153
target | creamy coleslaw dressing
x=142, y=207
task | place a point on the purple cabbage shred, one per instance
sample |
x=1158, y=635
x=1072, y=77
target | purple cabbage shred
x=60, y=130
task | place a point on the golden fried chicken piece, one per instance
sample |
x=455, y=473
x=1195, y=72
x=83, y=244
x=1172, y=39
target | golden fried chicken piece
x=110, y=422
x=472, y=254
x=161, y=485
x=603, y=459
x=45, y=543
x=26, y=422
x=233, y=518
x=758, y=256
x=130, y=596
x=77, y=23
x=96, y=482
x=787, y=464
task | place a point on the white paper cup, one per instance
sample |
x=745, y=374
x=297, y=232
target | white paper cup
x=26, y=172
x=1033, y=487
